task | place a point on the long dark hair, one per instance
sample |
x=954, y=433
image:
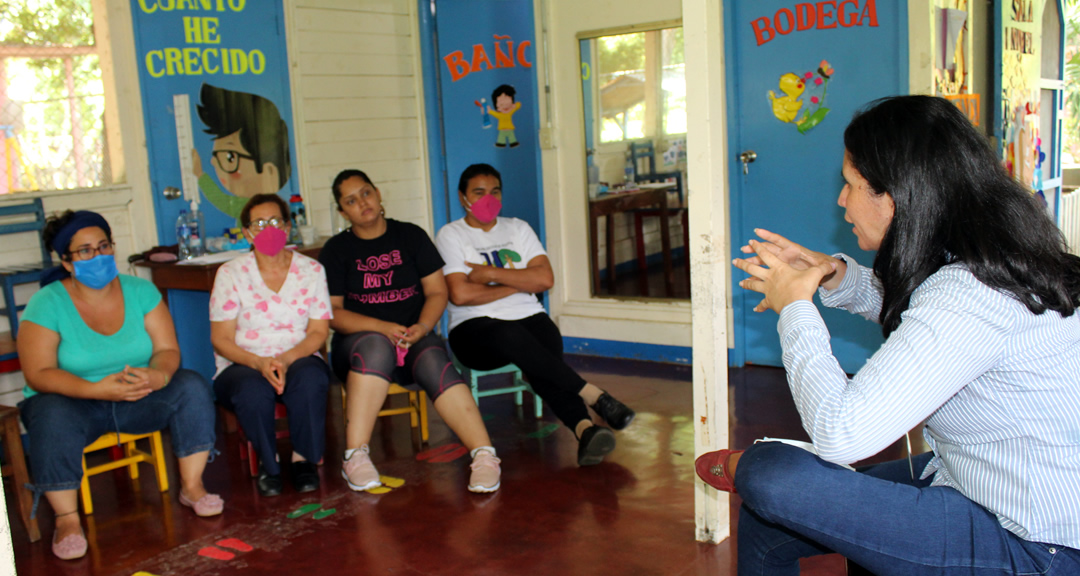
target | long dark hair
x=955, y=203
x=342, y=177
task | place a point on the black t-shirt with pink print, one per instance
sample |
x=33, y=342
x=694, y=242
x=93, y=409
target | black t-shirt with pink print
x=380, y=278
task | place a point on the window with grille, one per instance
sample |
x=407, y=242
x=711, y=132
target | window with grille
x=52, y=98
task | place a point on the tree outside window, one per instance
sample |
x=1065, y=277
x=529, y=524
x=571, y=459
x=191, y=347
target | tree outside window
x=52, y=101
x=642, y=84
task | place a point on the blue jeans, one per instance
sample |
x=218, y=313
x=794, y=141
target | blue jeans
x=797, y=505
x=246, y=392
x=60, y=426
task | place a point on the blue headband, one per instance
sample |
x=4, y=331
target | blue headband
x=79, y=220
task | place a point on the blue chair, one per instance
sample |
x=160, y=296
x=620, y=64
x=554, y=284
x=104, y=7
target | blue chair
x=13, y=220
x=519, y=386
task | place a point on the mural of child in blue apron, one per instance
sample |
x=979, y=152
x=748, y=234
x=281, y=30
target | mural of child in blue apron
x=251, y=148
x=505, y=106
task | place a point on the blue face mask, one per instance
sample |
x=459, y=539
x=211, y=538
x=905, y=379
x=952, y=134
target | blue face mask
x=96, y=272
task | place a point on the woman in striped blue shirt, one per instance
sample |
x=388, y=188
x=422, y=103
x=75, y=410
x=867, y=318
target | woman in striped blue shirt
x=975, y=293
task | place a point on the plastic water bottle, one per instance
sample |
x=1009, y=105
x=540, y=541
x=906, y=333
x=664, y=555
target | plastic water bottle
x=183, y=236
x=629, y=169
x=296, y=206
x=299, y=218
x=195, y=235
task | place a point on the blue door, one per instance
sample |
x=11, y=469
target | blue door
x=230, y=60
x=480, y=83
x=796, y=74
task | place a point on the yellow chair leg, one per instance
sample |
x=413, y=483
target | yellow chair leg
x=158, y=453
x=88, y=504
x=423, y=416
x=413, y=423
x=133, y=469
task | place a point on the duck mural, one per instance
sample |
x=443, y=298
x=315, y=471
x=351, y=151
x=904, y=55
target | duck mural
x=814, y=86
x=785, y=108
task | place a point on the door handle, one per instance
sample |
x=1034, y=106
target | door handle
x=746, y=158
x=172, y=192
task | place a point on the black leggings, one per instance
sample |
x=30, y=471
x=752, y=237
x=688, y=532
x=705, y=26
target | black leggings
x=427, y=364
x=535, y=345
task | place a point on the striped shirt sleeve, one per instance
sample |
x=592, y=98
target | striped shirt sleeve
x=949, y=335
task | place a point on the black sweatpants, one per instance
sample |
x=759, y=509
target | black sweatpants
x=535, y=345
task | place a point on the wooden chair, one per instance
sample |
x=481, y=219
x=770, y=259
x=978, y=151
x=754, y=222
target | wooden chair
x=643, y=156
x=15, y=219
x=519, y=385
x=15, y=466
x=131, y=458
x=7, y=350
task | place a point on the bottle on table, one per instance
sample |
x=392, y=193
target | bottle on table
x=183, y=235
x=299, y=218
x=189, y=236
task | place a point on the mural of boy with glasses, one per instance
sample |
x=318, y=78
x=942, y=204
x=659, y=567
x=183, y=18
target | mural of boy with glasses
x=251, y=148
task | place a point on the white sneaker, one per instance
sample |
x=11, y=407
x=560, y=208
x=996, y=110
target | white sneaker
x=359, y=472
x=485, y=472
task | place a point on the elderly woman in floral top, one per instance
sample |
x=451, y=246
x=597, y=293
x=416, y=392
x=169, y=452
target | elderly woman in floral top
x=269, y=315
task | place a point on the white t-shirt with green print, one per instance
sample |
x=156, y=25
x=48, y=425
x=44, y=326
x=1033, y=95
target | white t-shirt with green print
x=511, y=243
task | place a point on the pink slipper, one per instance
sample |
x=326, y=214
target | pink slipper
x=70, y=548
x=208, y=505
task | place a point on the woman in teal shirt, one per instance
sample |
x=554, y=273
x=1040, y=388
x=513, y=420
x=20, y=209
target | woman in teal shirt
x=99, y=354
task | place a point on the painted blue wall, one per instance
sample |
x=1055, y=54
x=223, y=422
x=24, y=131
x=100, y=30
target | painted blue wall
x=629, y=350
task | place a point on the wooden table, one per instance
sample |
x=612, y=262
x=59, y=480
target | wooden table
x=607, y=205
x=199, y=277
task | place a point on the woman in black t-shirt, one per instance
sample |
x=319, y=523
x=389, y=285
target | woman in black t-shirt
x=387, y=291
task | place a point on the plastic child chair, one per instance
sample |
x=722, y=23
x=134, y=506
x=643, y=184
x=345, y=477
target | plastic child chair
x=519, y=385
x=132, y=457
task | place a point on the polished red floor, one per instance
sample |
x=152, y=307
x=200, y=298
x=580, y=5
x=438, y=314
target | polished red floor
x=633, y=514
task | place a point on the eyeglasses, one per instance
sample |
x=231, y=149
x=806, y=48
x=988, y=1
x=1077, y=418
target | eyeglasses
x=260, y=224
x=87, y=252
x=229, y=160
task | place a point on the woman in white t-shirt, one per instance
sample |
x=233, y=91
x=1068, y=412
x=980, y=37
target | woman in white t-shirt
x=494, y=268
x=269, y=315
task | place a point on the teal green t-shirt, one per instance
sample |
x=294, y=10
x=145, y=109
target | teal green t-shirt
x=84, y=352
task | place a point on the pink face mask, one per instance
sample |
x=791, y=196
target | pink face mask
x=485, y=209
x=270, y=240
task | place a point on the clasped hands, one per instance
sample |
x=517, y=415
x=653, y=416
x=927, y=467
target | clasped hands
x=404, y=336
x=784, y=271
x=132, y=384
x=273, y=368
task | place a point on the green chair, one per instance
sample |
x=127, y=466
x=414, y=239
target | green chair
x=520, y=385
